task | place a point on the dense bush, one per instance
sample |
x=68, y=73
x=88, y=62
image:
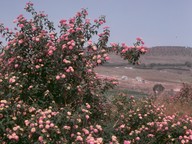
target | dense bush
x=23, y=123
x=158, y=88
x=141, y=121
x=188, y=64
x=41, y=66
x=128, y=121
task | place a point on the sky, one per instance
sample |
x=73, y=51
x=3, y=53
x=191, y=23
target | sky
x=158, y=22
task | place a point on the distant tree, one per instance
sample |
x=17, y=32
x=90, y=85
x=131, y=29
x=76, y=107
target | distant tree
x=188, y=64
x=158, y=88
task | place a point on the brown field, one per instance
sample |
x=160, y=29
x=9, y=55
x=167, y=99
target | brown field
x=168, y=69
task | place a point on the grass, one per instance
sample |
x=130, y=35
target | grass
x=115, y=92
x=174, y=106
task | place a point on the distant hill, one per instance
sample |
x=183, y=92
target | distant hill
x=169, y=51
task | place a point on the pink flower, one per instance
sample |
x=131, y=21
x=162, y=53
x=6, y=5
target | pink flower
x=71, y=69
x=87, y=21
x=21, y=41
x=2, y=54
x=127, y=142
x=70, y=47
x=15, y=128
x=68, y=70
x=71, y=25
x=99, y=56
x=122, y=126
x=14, y=21
x=63, y=76
x=107, y=58
x=190, y=137
x=89, y=42
x=32, y=125
x=33, y=130
x=27, y=122
x=73, y=44
x=182, y=141
x=95, y=20
x=72, y=135
x=21, y=25
x=78, y=29
x=114, y=138
x=37, y=66
x=40, y=60
x=52, y=125
x=40, y=126
x=88, y=106
x=47, y=126
x=67, y=127
x=57, y=77
x=11, y=80
x=16, y=65
x=99, y=127
x=95, y=130
x=37, y=39
x=137, y=138
x=50, y=52
x=94, y=48
x=98, y=61
x=16, y=137
x=87, y=117
x=43, y=130
x=85, y=131
x=79, y=138
x=48, y=122
x=40, y=138
x=78, y=14
x=138, y=39
x=101, y=22
x=89, y=70
x=106, y=27
x=69, y=113
x=30, y=87
x=150, y=135
x=63, y=22
x=143, y=50
x=10, y=137
x=113, y=44
x=34, y=28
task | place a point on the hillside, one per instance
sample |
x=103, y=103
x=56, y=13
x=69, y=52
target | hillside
x=169, y=51
x=170, y=66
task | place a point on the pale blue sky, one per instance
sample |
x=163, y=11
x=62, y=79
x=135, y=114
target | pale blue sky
x=158, y=22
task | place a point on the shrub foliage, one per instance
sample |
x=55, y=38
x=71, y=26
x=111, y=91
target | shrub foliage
x=40, y=65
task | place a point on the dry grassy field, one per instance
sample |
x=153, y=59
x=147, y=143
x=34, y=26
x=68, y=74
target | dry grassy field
x=160, y=66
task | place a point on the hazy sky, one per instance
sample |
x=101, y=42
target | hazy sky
x=158, y=22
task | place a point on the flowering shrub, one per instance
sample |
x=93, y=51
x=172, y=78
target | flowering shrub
x=130, y=120
x=23, y=123
x=41, y=66
x=142, y=121
x=130, y=53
